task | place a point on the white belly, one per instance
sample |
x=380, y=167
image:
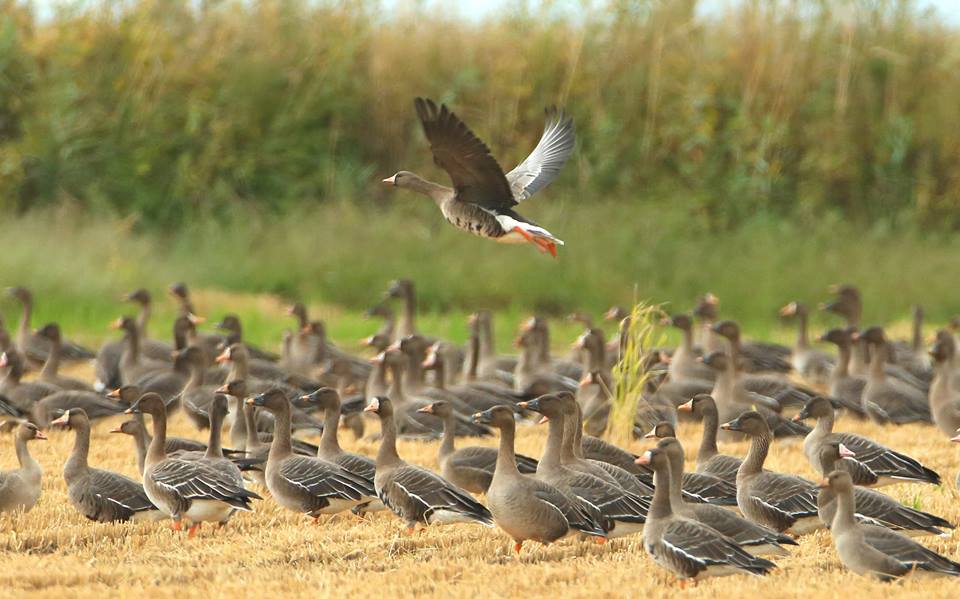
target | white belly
x=207, y=510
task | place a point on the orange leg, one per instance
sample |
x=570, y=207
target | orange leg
x=177, y=525
x=192, y=531
x=410, y=529
x=517, y=546
x=544, y=245
x=600, y=540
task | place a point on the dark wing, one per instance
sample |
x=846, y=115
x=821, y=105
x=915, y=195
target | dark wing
x=543, y=165
x=691, y=547
x=886, y=511
x=475, y=173
x=175, y=444
x=358, y=465
x=791, y=496
x=424, y=493
x=612, y=501
x=907, y=551
x=320, y=478
x=579, y=516
x=706, y=488
x=113, y=497
x=886, y=462
x=191, y=480
x=526, y=465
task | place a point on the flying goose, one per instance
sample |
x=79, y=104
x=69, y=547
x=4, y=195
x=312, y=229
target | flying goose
x=482, y=198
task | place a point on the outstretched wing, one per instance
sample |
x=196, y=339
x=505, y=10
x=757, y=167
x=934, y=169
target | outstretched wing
x=475, y=173
x=543, y=165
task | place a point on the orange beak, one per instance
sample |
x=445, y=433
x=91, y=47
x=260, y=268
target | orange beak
x=390, y=181
x=643, y=460
x=543, y=420
x=224, y=357
x=428, y=409
x=63, y=419
x=686, y=407
x=823, y=484
x=651, y=435
x=117, y=324
x=115, y=394
x=40, y=435
x=116, y=429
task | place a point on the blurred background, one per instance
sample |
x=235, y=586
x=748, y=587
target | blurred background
x=760, y=150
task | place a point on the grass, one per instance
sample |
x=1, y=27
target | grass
x=341, y=258
x=53, y=550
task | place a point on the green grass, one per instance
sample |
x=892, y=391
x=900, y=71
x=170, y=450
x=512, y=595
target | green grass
x=340, y=259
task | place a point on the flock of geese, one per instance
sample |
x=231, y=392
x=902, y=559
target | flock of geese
x=728, y=515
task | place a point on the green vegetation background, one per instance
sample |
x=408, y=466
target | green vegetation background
x=762, y=153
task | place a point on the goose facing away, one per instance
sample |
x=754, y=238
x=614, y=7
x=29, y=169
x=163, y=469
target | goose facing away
x=100, y=495
x=524, y=507
x=414, y=494
x=20, y=488
x=483, y=196
x=871, y=550
x=686, y=547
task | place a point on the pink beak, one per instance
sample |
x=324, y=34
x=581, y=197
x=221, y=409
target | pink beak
x=846, y=453
x=390, y=181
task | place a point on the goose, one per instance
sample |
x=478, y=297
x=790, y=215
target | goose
x=525, y=508
x=490, y=366
x=532, y=377
x=231, y=325
x=133, y=364
x=415, y=494
x=100, y=495
x=871, y=550
x=813, y=365
x=944, y=397
x=469, y=468
x=107, y=364
x=683, y=546
x=306, y=484
x=49, y=373
x=623, y=512
x=754, y=356
x=684, y=363
x=874, y=466
x=847, y=304
x=329, y=449
x=210, y=343
x=885, y=398
x=405, y=291
x=709, y=458
x=843, y=386
x=595, y=389
x=700, y=487
x=732, y=399
x=22, y=395
x=20, y=488
x=35, y=348
x=786, y=393
x=873, y=506
x=755, y=539
x=478, y=395
x=782, y=502
x=96, y=406
x=482, y=198
x=191, y=490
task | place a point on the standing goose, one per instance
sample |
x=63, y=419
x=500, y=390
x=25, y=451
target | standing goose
x=230, y=324
x=306, y=484
x=872, y=550
x=886, y=398
x=479, y=395
x=874, y=506
x=329, y=449
x=687, y=548
x=782, y=502
x=755, y=539
x=100, y=495
x=489, y=365
x=209, y=342
x=624, y=513
x=20, y=488
x=134, y=365
x=524, y=507
x=845, y=387
x=699, y=486
x=470, y=468
x=22, y=395
x=107, y=366
x=415, y=494
x=50, y=372
x=709, y=458
x=684, y=365
x=874, y=465
x=944, y=397
x=95, y=405
x=482, y=198
x=404, y=290
x=190, y=490
x=812, y=364
x=33, y=347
